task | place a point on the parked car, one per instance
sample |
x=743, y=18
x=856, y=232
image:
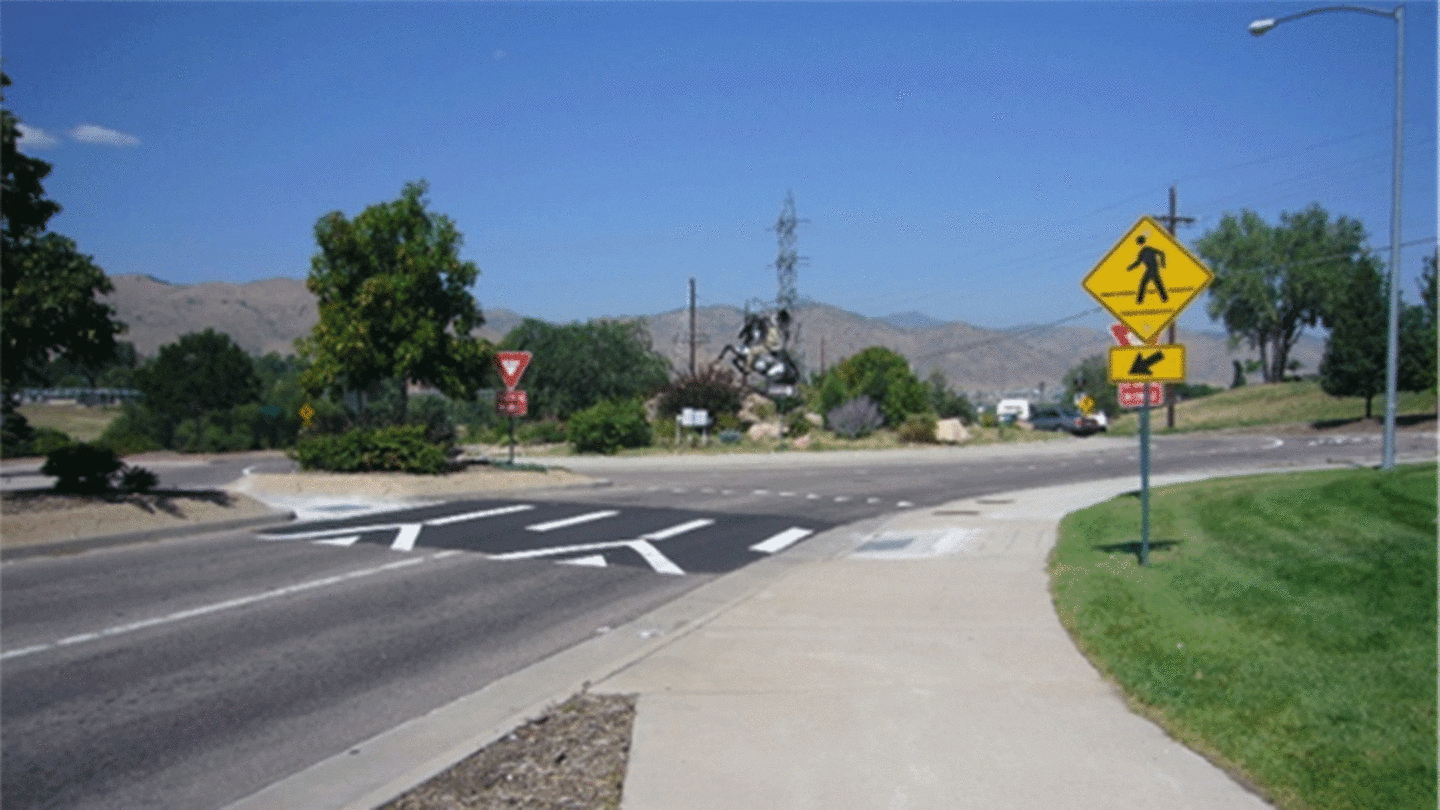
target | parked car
x=1069, y=419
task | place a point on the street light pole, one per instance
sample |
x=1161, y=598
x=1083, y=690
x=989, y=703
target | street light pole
x=1392, y=348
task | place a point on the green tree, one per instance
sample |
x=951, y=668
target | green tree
x=579, y=365
x=1354, y=361
x=199, y=373
x=394, y=303
x=882, y=375
x=1092, y=378
x=1417, y=371
x=48, y=288
x=945, y=402
x=1273, y=281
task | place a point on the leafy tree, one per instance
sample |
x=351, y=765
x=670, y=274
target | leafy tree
x=199, y=373
x=1418, y=336
x=579, y=365
x=606, y=427
x=882, y=375
x=946, y=403
x=48, y=288
x=1092, y=378
x=1354, y=361
x=1273, y=281
x=394, y=302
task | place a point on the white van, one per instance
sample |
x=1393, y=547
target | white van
x=1015, y=409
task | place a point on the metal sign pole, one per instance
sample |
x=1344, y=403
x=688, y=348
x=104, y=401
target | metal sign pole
x=512, y=440
x=1145, y=478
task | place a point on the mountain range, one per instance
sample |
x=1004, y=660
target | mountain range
x=267, y=316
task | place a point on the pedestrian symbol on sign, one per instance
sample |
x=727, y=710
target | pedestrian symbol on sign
x=1153, y=260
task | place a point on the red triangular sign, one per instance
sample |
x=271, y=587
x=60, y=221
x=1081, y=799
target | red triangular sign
x=511, y=365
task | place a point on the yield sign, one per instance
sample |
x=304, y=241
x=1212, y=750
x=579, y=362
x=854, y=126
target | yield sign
x=1169, y=278
x=511, y=366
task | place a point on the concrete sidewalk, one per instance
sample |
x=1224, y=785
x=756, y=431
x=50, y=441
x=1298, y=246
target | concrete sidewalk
x=920, y=666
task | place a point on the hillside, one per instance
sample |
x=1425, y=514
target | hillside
x=267, y=316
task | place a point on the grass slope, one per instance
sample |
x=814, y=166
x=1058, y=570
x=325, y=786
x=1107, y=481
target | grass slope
x=81, y=423
x=1286, y=626
x=1275, y=403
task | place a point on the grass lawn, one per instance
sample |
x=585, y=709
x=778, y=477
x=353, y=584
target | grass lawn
x=81, y=423
x=1285, y=627
x=1275, y=403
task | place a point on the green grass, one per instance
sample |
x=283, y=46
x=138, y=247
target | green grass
x=81, y=423
x=1285, y=627
x=1274, y=403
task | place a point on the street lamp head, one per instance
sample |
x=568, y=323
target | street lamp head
x=1261, y=26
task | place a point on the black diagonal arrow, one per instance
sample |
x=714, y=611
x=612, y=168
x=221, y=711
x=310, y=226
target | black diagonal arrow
x=1142, y=364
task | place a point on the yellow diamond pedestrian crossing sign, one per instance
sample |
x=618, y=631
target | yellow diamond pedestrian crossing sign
x=1147, y=279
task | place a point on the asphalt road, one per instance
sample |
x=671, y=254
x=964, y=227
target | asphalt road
x=193, y=672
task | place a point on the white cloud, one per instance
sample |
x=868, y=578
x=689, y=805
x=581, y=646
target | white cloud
x=89, y=133
x=34, y=138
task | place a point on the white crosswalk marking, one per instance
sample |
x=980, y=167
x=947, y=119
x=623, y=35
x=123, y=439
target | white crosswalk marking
x=484, y=513
x=405, y=538
x=573, y=521
x=781, y=541
x=641, y=545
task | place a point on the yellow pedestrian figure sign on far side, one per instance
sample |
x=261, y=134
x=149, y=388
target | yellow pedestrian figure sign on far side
x=1147, y=279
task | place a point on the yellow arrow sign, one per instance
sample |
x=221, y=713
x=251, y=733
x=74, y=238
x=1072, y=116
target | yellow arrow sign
x=1147, y=279
x=1147, y=363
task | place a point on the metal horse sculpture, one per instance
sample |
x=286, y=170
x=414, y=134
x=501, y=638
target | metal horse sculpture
x=762, y=350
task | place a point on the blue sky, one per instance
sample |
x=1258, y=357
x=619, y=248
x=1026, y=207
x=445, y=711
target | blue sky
x=969, y=160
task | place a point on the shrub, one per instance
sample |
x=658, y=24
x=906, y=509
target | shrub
x=919, y=428
x=729, y=436
x=433, y=413
x=48, y=440
x=797, y=425
x=137, y=479
x=609, y=426
x=545, y=431
x=82, y=467
x=400, y=448
x=714, y=389
x=855, y=419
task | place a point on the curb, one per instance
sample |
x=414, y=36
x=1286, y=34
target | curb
x=83, y=544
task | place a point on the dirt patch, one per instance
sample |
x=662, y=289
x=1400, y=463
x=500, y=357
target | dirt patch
x=35, y=516
x=572, y=758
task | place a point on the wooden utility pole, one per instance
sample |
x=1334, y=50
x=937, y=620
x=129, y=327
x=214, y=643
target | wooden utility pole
x=1171, y=220
x=692, y=326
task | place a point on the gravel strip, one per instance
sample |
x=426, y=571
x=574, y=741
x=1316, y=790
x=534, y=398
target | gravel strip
x=572, y=758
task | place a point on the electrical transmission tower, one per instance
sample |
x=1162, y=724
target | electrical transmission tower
x=786, y=261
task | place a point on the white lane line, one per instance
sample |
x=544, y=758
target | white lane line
x=810, y=496
x=405, y=538
x=787, y=494
x=841, y=498
x=904, y=504
x=440, y=555
x=573, y=521
x=374, y=527
x=872, y=500
x=484, y=513
x=781, y=541
x=666, y=534
x=759, y=492
x=340, y=541
x=216, y=607
x=658, y=561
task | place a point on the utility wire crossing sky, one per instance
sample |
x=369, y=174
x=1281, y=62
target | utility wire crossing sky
x=972, y=161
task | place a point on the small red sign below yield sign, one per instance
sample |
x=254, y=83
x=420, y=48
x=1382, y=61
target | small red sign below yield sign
x=511, y=365
x=512, y=403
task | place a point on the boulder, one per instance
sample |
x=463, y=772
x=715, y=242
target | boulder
x=951, y=431
x=760, y=431
x=756, y=408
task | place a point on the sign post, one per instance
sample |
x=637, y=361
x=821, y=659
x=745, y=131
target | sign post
x=511, y=366
x=1172, y=277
